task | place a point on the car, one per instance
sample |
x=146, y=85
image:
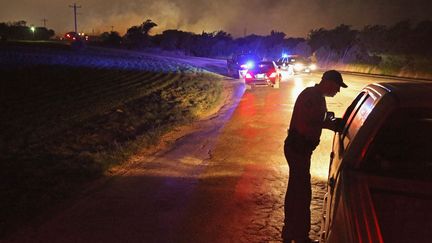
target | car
x=286, y=61
x=74, y=36
x=379, y=186
x=240, y=63
x=263, y=73
x=296, y=64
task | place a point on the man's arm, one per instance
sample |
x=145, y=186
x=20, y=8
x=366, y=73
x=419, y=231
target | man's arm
x=315, y=111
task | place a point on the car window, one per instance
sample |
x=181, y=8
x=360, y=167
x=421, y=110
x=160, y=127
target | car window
x=349, y=115
x=403, y=147
x=360, y=117
x=263, y=67
x=245, y=58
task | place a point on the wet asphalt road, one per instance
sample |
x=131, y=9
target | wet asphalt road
x=221, y=180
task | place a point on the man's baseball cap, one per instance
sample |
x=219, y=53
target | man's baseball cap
x=334, y=76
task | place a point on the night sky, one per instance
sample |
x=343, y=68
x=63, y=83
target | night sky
x=293, y=17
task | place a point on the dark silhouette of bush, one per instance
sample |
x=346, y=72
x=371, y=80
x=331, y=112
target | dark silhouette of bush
x=138, y=36
x=112, y=38
x=20, y=31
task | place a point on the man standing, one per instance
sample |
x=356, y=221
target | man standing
x=309, y=117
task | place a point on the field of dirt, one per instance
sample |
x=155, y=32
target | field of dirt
x=67, y=116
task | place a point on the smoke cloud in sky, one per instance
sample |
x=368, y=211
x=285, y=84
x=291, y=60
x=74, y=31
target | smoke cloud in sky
x=293, y=17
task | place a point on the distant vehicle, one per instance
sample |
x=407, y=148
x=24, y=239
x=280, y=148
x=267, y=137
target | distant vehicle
x=380, y=175
x=74, y=36
x=240, y=63
x=263, y=73
x=295, y=64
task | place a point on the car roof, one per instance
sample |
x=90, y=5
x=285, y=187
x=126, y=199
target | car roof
x=408, y=94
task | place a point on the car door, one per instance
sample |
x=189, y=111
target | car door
x=398, y=166
x=340, y=143
x=348, y=147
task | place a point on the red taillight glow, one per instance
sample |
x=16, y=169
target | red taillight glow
x=248, y=75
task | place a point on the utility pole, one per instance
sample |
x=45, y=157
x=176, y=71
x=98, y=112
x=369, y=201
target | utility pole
x=44, y=20
x=75, y=14
x=112, y=28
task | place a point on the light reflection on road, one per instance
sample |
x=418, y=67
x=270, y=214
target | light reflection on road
x=268, y=111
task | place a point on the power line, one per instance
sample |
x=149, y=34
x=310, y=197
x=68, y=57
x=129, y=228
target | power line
x=44, y=20
x=75, y=14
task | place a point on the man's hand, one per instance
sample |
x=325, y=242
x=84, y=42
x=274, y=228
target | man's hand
x=339, y=125
x=333, y=123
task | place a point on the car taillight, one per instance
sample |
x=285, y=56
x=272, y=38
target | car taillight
x=248, y=75
x=273, y=75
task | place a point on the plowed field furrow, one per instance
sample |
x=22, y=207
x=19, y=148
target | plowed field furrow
x=74, y=92
x=63, y=87
x=100, y=99
x=52, y=121
x=150, y=84
x=111, y=62
x=66, y=87
x=71, y=86
x=123, y=87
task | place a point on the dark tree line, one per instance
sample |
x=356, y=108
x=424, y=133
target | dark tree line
x=346, y=44
x=342, y=43
x=206, y=44
x=20, y=31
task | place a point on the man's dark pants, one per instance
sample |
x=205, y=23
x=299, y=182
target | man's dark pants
x=298, y=195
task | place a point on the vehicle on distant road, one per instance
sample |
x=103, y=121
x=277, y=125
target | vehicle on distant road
x=380, y=175
x=240, y=63
x=263, y=73
x=74, y=36
x=296, y=64
x=77, y=40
